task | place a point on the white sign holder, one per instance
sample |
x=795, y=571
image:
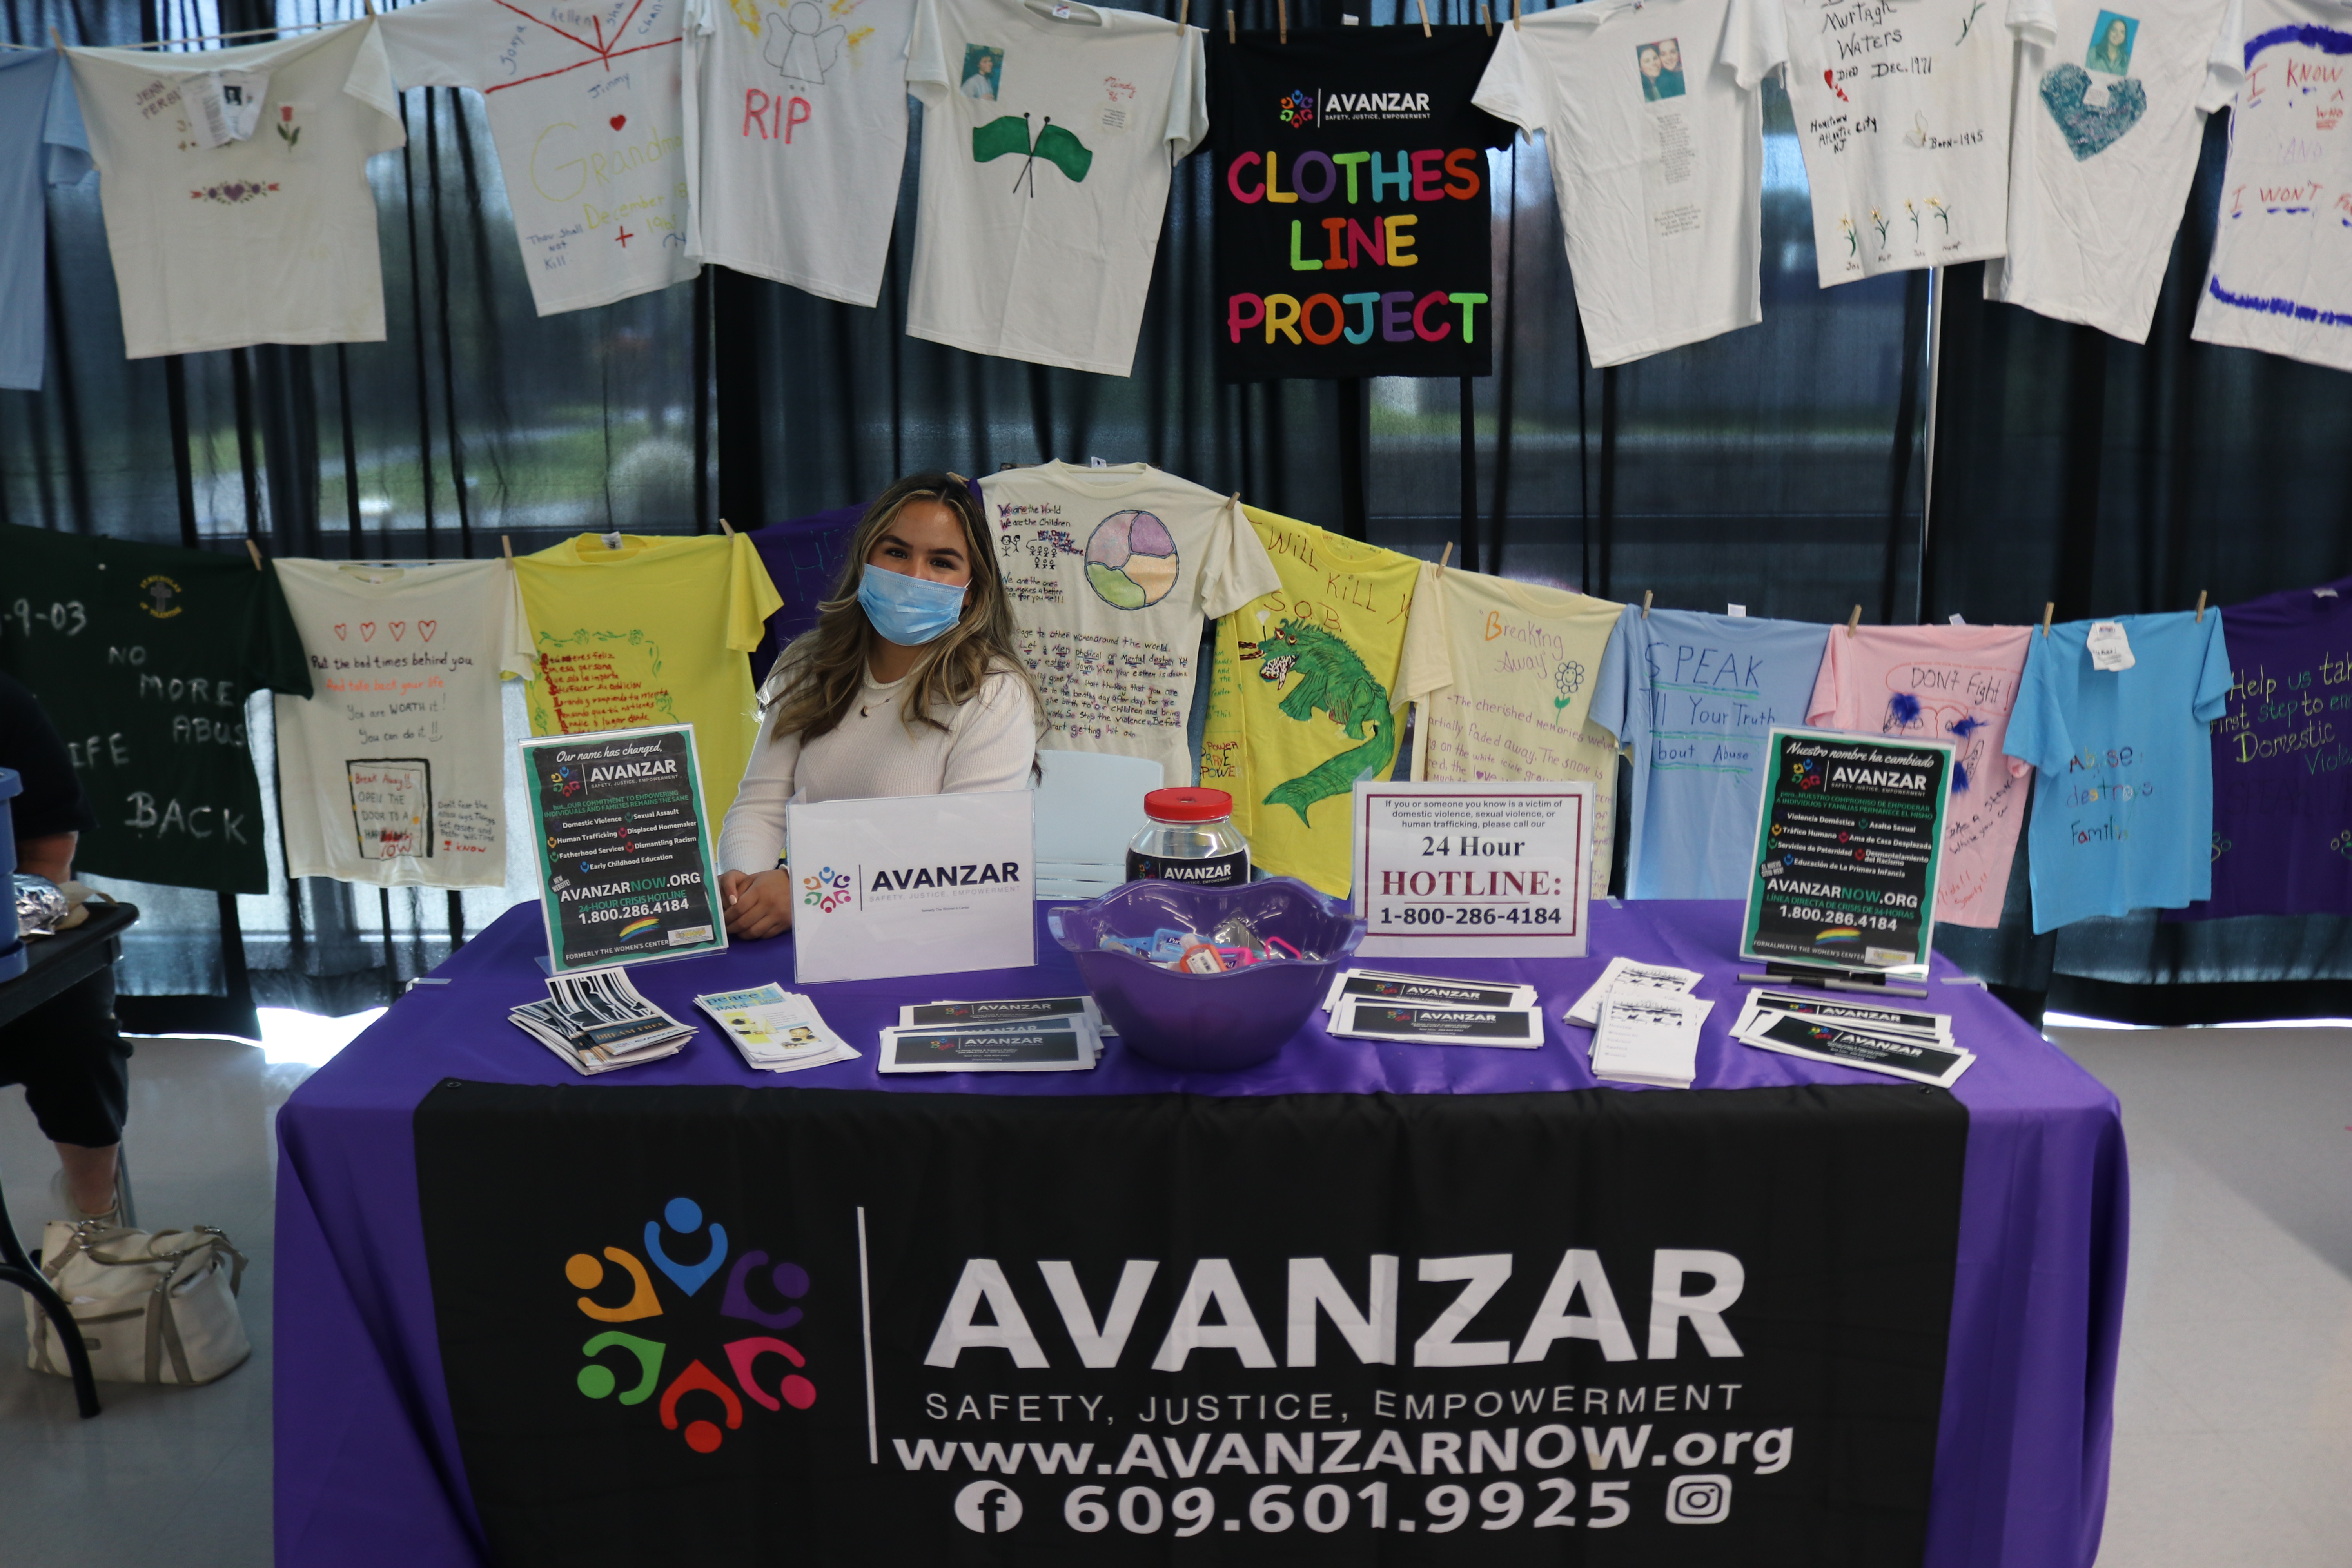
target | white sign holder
x=928, y=884
x=1473, y=870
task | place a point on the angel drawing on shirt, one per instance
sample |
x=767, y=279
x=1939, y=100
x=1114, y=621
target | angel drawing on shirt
x=800, y=45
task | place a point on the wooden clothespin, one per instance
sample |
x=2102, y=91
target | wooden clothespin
x=1183, y=8
x=60, y=43
x=1484, y=20
x=726, y=528
x=369, y=4
x=1854, y=620
x=1443, y=558
x=2201, y=606
x=1282, y=21
x=1425, y=18
x=1515, y=14
x=506, y=547
x=1230, y=37
x=254, y=550
x=1647, y=595
x=2047, y=611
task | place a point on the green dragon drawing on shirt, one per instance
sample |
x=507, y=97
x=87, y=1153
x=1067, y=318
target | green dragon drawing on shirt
x=1331, y=677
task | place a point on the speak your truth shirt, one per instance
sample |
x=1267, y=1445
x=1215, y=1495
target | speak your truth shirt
x=1694, y=697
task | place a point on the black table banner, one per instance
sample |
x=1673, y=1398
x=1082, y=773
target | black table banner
x=1353, y=216
x=738, y=1326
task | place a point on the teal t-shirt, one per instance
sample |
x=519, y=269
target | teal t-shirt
x=143, y=656
x=2123, y=794
x=1693, y=697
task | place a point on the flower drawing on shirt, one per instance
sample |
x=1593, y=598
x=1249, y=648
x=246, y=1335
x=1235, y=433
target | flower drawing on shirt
x=1331, y=677
x=287, y=132
x=1566, y=682
x=800, y=45
x=1913, y=213
x=234, y=193
x=1852, y=241
x=1943, y=214
x=1878, y=222
x=1966, y=21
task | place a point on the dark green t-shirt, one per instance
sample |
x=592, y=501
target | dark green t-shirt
x=143, y=656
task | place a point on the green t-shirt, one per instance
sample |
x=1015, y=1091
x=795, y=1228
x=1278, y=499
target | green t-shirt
x=143, y=656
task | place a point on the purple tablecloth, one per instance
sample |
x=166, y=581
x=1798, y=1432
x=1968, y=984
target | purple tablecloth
x=367, y=1462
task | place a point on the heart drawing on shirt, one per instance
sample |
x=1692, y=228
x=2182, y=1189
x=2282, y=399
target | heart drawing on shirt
x=367, y=631
x=2091, y=131
x=398, y=629
x=619, y=120
x=424, y=630
x=340, y=633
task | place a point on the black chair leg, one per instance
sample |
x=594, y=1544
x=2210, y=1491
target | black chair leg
x=17, y=1269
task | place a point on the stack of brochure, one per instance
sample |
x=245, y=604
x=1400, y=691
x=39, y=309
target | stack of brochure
x=776, y=1030
x=1030, y=1034
x=1422, y=1009
x=1900, y=1042
x=594, y=1019
x=1648, y=1035
x=1655, y=979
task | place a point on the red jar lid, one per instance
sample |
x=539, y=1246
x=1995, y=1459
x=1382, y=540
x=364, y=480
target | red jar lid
x=1188, y=804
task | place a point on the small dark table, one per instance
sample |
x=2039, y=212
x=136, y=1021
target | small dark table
x=55, y=964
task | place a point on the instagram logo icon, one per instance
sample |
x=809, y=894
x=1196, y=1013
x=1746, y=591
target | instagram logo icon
x=1698, y=1499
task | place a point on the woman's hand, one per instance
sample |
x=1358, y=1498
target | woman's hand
x=758, y=904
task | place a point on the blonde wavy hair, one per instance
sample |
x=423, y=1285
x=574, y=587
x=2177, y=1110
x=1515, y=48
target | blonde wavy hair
x=824, y=667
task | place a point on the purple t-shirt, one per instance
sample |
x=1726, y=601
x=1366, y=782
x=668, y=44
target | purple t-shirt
x=2282, y=759
x=802, y=556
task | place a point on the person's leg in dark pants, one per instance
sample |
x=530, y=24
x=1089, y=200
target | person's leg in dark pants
x=75, y=1066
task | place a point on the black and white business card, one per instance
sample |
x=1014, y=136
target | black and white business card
x=1369, y=1019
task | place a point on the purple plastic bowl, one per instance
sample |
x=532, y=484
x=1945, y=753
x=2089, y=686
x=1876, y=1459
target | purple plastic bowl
x=1208, y=1023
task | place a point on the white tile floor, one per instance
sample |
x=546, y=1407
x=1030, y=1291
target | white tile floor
x=2233, y=1440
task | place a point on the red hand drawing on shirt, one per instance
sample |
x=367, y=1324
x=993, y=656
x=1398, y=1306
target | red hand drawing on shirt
x=601, y=51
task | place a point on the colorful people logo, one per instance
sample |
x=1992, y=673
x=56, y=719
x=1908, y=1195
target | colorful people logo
x=828, y=890
x=1805, y=772
x=702, y=1430
x=566, y=783
x=1297, y=109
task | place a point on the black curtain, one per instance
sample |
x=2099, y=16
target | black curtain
x=1783, y=466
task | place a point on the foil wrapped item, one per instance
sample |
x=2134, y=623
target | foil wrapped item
x=40, y=908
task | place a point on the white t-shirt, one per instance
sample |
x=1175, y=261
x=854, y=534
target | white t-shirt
x=220, y=241
x=2281, y=272
x=1903, y=114
x=582, y=100
x=1658, y=160
x=391, y=772
x=795, y=135
x=2110, y=113
x=988, y=745
x=1048, y=145
x=1110, y=571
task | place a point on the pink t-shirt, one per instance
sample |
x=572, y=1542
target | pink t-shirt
x=1953, y=683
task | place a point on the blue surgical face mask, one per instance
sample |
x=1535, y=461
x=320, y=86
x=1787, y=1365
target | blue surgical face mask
x=906, y=610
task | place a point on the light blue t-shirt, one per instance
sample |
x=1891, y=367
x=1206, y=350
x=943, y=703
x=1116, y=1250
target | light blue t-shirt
x=41, y=145
x=2123, y=794
x=1694, y=696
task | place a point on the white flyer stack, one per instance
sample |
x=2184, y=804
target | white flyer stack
x=1424, y=1009
x=1898, y=1042
x=1029, y=1033
x=1648, y=1037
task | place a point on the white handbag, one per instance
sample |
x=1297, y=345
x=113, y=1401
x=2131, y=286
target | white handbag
x=151, y=1308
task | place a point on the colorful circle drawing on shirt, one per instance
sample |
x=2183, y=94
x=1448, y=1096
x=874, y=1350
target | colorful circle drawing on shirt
x=1132, y=562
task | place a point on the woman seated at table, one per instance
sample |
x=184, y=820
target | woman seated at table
x=909, y=684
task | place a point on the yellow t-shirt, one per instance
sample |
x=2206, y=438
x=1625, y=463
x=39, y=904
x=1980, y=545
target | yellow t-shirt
x=1503, y=673
x=1301, y=698
x=652, y=633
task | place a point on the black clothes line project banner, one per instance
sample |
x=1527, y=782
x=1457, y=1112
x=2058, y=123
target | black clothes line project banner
x=1354, y=227
x=865, y=1328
